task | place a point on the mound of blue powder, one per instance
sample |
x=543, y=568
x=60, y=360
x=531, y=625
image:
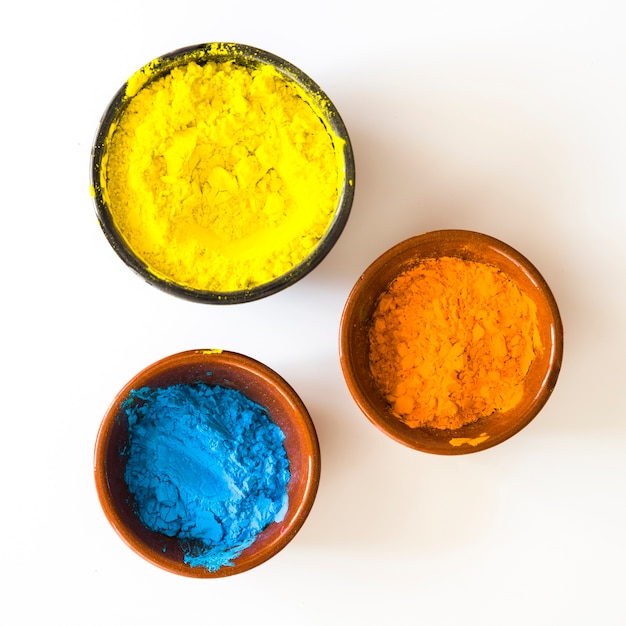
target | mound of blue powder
x=205, y=465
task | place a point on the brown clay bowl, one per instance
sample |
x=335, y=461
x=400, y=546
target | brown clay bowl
x=354, y=343
x=263, y=386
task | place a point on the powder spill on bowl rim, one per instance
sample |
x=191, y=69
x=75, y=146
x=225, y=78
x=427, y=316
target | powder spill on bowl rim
x=451, y=341
x=205, y=465
x=222, y=176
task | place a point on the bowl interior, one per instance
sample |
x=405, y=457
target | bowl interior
x=247, y=56
x=354, y=342
x=260, y=384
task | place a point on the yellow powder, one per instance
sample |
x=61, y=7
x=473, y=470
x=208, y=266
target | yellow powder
x=470, y=441
x=451, y=341
x=221, y=176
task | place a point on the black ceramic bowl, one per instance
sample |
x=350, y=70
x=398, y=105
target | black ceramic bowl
x=250, y=57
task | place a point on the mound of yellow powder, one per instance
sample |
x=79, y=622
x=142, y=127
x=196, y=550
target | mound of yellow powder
x=221, y=176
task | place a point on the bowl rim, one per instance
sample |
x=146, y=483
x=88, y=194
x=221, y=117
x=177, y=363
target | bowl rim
x=311, y=469
x=221, y=51
x=355, y=386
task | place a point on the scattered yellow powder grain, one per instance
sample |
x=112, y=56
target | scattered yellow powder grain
x=470, y=441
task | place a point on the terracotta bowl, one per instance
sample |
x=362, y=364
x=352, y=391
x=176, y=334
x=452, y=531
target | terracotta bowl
x=354, y=343
x=261, y=385
x=245, y=56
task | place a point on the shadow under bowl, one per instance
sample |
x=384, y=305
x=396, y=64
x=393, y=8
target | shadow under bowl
x=355, y=347
x=258, y=383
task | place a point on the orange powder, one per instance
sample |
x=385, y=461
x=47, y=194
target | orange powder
x=451, y=341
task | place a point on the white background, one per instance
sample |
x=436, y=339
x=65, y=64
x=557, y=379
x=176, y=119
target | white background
x=497, y=116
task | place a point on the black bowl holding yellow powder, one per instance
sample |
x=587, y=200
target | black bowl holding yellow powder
x=221, y=173
x=451, y=342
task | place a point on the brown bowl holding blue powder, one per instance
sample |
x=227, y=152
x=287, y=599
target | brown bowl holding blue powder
x=440, y=364
x=247, y=496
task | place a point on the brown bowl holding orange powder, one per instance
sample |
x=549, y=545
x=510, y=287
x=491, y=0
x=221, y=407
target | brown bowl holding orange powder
x=451, y=342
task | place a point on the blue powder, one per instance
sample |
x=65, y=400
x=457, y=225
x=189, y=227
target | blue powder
x=205, y=465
